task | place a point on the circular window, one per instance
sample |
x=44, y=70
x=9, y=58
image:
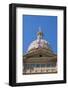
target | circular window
x=40, y=55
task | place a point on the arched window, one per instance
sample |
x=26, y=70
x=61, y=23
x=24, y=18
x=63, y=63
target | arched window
x=48, y=65
x=37, y=65
x=43, y=65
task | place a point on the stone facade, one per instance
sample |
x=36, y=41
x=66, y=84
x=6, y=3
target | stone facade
x=40, y=61
x=39, y=58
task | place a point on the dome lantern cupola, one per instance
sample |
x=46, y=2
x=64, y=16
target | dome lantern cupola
x=39, y=34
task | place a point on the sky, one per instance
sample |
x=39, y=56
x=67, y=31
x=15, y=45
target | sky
x=48, y=25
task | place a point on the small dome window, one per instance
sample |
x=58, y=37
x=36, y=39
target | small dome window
x=40, y=55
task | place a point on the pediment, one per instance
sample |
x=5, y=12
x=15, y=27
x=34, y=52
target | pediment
x=39, y=54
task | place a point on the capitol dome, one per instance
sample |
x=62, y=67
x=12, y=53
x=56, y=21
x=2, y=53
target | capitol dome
x=38, y=43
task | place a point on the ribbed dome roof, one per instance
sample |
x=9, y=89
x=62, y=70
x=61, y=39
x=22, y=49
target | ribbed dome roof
x=38, y=44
